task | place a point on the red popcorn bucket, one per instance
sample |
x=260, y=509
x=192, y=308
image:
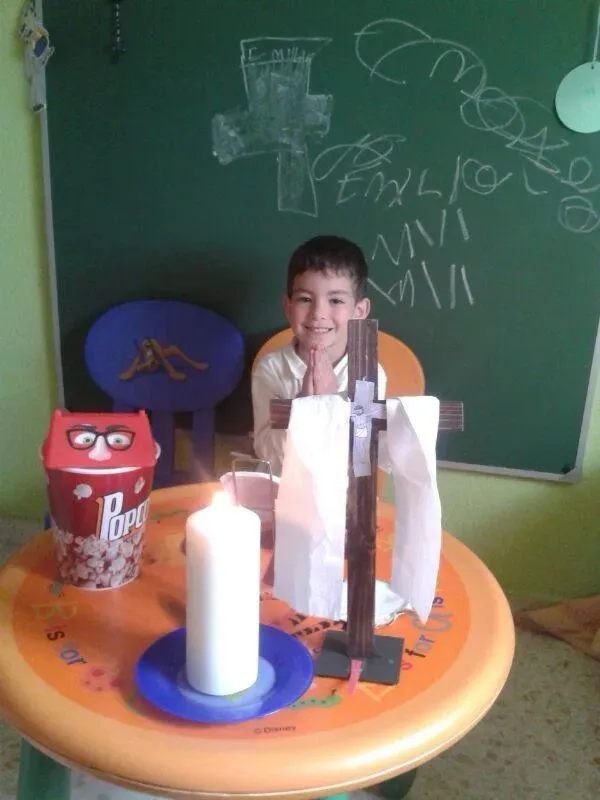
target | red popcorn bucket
x=99, y=472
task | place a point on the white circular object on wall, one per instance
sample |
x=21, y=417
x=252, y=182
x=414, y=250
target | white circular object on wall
x=578, y=98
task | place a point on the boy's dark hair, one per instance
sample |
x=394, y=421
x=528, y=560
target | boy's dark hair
x=330, y=253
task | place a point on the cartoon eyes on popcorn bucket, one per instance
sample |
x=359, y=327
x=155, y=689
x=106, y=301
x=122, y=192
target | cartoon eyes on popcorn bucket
x=99, y=470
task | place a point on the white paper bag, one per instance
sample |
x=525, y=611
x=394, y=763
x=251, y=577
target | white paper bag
x=310, y=510
x=407, y=449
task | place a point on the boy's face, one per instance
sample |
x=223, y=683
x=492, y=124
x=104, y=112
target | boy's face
x=319, y=309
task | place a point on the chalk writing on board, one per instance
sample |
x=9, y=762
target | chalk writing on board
x=405, y=289
x=405, y=243
x=463, y=225
x=367, y=170
x=384, y=46
x=281, y=114
x=529, y=187
x=577, y=214
x=477, y=177
x=364, y=155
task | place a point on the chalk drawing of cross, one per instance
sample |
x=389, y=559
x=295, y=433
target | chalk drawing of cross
x=281, y=115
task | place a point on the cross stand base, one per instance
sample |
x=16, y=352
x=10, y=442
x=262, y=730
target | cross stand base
x=382, y=667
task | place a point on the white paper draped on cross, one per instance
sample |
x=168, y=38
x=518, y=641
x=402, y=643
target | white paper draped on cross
x=311, y=505
x=310, y=510
x=407, y=450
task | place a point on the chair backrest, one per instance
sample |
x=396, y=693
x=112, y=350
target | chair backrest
x=164, y=355
x=403, y=370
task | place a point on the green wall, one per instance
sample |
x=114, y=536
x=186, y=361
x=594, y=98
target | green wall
x=542, y=540
x=26, y=386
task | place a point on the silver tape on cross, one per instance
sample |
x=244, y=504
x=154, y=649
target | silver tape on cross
x=363, y=411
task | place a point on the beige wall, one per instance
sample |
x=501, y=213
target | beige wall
x=540, y=539
x=26, y=386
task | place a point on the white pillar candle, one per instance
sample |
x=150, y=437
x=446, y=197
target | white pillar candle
x=223, y=597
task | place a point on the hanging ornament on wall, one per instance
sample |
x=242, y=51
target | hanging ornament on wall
x=37, y=53
x=578, y=96
x=117, y=48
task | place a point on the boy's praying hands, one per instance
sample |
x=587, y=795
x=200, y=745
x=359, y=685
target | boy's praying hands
x=319, y=377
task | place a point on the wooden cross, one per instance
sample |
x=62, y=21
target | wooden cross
x=367, y=418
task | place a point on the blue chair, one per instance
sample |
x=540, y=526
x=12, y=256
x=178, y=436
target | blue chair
x=167, y=357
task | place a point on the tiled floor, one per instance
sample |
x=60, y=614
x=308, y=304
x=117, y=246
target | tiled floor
x=541, y=740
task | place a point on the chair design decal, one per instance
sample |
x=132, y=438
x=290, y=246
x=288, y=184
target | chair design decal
x=170, y=358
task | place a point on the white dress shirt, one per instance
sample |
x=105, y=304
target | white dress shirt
x=279, y=375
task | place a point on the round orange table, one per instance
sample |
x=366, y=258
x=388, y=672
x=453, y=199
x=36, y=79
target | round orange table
x=66, y=677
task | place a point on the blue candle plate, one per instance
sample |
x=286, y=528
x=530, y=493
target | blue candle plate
x=285, y=671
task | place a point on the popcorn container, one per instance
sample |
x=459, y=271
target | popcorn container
x=99, y=472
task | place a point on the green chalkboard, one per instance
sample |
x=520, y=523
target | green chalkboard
x=232, y=130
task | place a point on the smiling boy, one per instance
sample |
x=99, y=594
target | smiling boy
x=326, y=286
